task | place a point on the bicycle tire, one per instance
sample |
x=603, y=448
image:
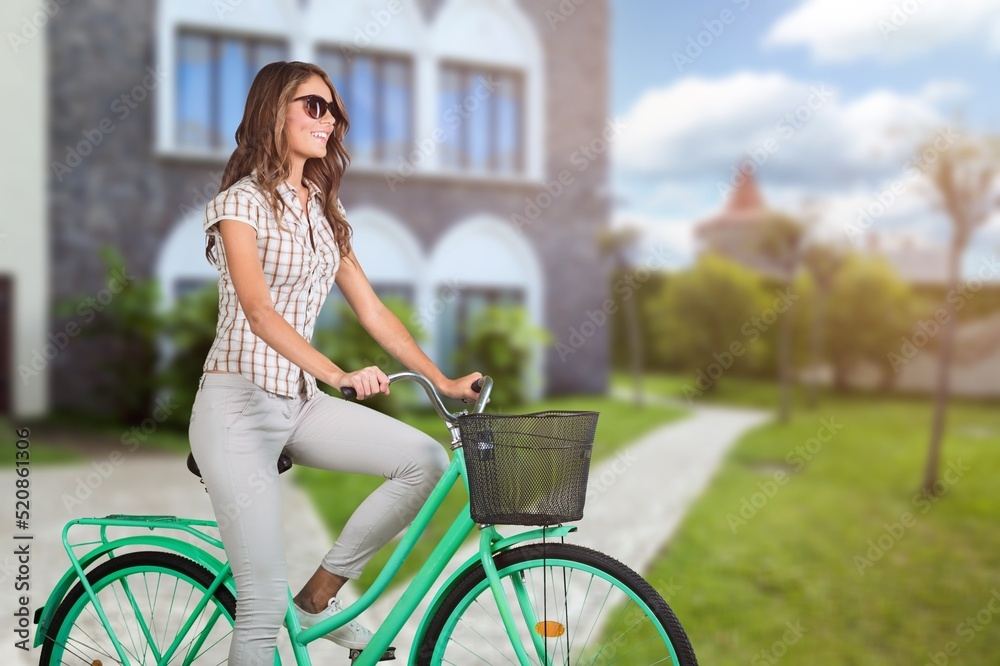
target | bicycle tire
x=667, y=641
x=61, y=639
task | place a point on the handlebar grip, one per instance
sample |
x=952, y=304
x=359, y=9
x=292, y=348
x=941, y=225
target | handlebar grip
x=350, y=394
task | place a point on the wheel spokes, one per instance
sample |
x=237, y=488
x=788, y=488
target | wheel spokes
x=575, y=616
x=143, y=621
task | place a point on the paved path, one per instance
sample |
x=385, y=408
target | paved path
x=624, y=517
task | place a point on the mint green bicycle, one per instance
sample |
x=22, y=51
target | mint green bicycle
x=529, y=598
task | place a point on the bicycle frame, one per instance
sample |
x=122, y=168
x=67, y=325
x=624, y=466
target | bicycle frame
x=491, y=543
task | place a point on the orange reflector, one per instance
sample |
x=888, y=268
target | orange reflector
x=550, y=629
x=98, y=662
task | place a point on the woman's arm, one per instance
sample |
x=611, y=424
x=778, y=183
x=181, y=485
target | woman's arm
x=239, y=242
x=386, y=328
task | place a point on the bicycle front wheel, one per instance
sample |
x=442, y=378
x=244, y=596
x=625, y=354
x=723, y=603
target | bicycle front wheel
x=147, y=597
x=573, y=605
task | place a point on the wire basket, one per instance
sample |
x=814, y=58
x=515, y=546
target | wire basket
x=527, y=469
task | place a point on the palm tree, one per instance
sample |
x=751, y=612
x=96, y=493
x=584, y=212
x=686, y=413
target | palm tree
x=963, y=180
x=781, y=243
x=822, y=262
x=618, y=244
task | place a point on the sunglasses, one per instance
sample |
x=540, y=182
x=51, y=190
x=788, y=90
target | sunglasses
x=316, y=106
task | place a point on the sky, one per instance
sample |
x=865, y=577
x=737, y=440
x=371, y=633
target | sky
x=825, y=101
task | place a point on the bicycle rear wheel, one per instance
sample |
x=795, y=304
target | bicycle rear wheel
x=147, y=597
x=582, y=607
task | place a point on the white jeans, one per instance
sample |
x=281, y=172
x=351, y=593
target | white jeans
x=237, y=432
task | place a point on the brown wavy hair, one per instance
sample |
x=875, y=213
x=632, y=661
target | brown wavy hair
x=261, y=145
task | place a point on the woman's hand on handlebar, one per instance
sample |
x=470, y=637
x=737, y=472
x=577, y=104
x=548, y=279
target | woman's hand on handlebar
x=461, y=388
x=366, y=381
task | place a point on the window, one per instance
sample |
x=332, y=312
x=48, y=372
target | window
x=214, y=73
x=378, y=92
x=482, y=115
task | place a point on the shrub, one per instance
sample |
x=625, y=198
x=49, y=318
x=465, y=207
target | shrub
x=128, y=326
x=190, y=331
x=499, y=344
x=351, y=347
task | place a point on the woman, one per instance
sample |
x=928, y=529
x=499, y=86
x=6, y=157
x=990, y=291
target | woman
x=277, y=233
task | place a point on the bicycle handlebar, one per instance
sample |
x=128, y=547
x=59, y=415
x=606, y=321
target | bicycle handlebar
x=483, y=386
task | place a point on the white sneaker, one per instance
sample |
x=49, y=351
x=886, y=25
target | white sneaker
x=351, y=635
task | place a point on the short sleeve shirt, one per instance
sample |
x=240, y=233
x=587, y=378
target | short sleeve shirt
x=300, y=265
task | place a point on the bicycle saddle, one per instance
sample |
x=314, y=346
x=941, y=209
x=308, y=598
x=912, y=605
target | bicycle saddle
x=284, y=464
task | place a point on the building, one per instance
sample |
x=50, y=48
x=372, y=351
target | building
x=25, y=342
x=462, y=111
x=735, y=231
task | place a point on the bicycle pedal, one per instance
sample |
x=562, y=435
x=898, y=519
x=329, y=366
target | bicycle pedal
x=390, y=654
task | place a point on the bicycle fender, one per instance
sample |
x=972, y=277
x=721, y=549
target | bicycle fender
x=498, y=547
x=43, y=615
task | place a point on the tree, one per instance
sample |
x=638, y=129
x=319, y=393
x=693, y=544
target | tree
x=869, y=311
x=704, y=320
x=780, y=243
x=501, y=339
x=618, y=244
x=352, y=347
x=963, y=180
x=822, y=263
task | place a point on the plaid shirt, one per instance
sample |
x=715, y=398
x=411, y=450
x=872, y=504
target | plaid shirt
x=299, y=274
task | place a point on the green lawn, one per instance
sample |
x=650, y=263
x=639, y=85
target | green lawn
x=730, y=390
x=336, y=495
x=823, y=549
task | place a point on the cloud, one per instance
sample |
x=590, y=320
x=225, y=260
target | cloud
x=886, y=30
x=936, y=92
x=797, y=133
